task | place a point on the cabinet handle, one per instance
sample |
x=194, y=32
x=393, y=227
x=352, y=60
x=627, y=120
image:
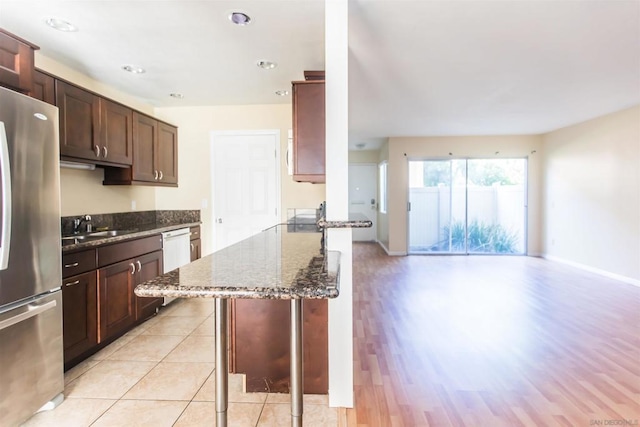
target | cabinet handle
x=133, y=268
x=105, y=152
x=72, y=283
x=97, y=148
x=75, y=264
x=139, y=266
x=155, y=175
x=161, y=175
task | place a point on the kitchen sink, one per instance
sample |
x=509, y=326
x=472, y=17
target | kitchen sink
x=109, y=233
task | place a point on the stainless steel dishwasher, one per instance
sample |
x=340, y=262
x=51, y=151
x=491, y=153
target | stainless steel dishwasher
x=176, y=251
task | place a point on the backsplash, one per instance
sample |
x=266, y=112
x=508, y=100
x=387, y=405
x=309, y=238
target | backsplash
x=132, y=220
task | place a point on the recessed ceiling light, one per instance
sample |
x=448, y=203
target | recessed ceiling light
x=134, y=69
x=176, y=95
x=266, y=65
x=282, y=92
x=239, y=18
x=61, y=25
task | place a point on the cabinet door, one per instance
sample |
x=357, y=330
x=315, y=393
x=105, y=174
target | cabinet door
x=196, y=252
x=16, y=62
x=79, y=314
x=43, y=88
x=116, y=132
x=145, y=135
x=148, y=267
x=79, y=122
x=167, y=154
x=117, y=306
x=309, y=131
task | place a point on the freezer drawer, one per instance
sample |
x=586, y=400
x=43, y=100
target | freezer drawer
x=31, y=363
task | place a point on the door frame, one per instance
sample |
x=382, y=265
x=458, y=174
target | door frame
x=377, y=195
x=217, y=133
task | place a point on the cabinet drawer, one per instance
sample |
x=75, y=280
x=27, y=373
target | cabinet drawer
x=130, y=249
x=195, y=232
x=78, y=262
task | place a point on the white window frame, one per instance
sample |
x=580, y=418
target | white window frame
x=382, y=186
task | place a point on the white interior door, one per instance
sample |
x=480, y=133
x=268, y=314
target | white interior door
x=246, y=182
x=363, y=180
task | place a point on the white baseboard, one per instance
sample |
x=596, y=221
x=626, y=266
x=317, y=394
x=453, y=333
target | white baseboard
x=605, y=273
x=390, y=253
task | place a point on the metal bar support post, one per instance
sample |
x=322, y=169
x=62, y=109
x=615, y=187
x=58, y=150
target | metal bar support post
x=222, y=363
x=296, y=363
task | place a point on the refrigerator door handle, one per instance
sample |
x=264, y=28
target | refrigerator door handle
x=5, y=176
x=32, y=311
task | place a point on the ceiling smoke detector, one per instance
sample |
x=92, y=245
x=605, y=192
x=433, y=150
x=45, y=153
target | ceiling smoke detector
x=239, y=18
x=266, y=65
x=61, y=25
x=176, y=95
x=134, y=69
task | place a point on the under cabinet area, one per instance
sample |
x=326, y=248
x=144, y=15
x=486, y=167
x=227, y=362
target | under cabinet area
x=260, y=344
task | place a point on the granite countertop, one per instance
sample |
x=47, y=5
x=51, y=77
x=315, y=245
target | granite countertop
x=356, y=220
x=135, y=233
x=273, y=264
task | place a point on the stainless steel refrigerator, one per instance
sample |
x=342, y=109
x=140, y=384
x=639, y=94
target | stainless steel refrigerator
x=31, y=361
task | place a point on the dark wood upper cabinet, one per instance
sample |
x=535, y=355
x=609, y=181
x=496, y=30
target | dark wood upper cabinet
x=16, y=62
x=155, y=155
x=93, y=128
x=309, y=131
x=167, y=154
x=43, y=87
x=116, y=127
x=79, y=122
x=145, y=142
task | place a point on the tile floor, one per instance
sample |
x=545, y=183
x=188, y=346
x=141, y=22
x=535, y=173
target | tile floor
x=161, y=374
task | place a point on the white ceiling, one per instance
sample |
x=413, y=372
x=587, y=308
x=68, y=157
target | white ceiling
x=417, y=68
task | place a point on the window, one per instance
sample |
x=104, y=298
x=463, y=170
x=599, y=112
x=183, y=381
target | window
x=382, y=169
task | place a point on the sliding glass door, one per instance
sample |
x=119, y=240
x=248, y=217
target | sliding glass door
x=466, y=206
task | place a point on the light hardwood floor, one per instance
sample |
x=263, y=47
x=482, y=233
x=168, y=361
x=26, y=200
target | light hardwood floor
x=491, y=341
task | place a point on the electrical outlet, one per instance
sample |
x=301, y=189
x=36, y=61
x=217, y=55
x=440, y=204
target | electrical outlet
x=133, y=205
x=204, y=203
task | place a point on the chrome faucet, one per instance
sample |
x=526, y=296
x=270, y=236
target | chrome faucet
x=77, y=222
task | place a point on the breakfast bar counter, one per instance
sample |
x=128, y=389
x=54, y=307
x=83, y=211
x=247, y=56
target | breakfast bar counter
x=274, y=264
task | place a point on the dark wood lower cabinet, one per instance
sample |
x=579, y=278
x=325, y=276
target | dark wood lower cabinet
x=260, y=344
x=79, y=314
x=150, y=268
x=117, y=309
x=196, y=249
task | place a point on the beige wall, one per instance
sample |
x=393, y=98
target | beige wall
x=401, y=149
x=82, y=192
x=592, y=194
x=364, y=156
x=194, y=135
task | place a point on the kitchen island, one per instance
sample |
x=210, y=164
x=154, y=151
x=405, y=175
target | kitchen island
x=274, y=264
